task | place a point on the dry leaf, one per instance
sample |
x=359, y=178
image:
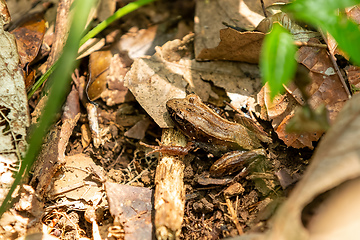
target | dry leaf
x=141, y=42
x=29, y=37
x=210, y=15
x=280, y=111
x=235, y=46
x=99, y=68
x=171, y=72
x=132, y=207
x=324, y=89
x=115, y=91
x=335, y=162
x=75, y=183
x=138, y=130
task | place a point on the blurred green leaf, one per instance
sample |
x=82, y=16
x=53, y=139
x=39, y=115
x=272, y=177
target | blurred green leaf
x=323, y=13
x=92, y=33
x=277, y=60
x=60, y=83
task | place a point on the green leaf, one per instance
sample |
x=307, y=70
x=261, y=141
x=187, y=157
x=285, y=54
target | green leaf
x=318, y=7
x=323, y=13
x=60, y=83
x=277, y=60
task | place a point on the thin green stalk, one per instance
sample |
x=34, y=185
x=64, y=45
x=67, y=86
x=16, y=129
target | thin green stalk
x=60, y=82
x=118, y=14
x=92, y=33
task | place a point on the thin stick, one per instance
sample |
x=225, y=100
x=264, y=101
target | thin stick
x=263, y=8
x=233, y=216
x=332, y=58
x=169, y=196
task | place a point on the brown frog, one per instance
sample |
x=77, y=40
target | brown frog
x=214, y=134
x=211, y=132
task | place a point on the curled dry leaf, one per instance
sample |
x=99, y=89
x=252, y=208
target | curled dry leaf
x=335, y=162
x=324, y=89
x=210, y=16
x=29, y=37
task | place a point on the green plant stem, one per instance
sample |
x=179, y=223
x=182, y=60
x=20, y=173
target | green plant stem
x=92, y=33
x=118, y=14
x=60, y=82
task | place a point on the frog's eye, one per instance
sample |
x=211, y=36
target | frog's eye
x=191, y=100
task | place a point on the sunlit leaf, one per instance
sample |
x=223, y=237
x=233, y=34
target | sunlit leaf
x=277, y=61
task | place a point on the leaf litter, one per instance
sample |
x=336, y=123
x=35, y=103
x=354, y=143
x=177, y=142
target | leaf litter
x=171, y=72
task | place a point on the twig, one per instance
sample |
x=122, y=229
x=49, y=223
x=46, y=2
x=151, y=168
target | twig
x=169, y=197
x=332, y=58
x=233, y=215
x=263, y=8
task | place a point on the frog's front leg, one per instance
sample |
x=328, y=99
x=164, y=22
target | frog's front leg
x=234, y=161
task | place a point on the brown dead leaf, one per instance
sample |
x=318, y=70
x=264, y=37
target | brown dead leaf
x=138, y=130
x=280, y=110
x=235, y=46
x=115, y=91
x=324, y=89
x=29, y=37
x=172, y=72
x=132, y=208
x=75, y=183
x=210, y=15
x=99, y=67
x=335, y=162
x=141, y=42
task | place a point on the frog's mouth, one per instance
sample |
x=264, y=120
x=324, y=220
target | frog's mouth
x=177, y=118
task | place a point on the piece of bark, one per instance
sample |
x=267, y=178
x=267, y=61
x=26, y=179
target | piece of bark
x=14, y=116
x=61, y=30
x=169, y=198
x=52, y=155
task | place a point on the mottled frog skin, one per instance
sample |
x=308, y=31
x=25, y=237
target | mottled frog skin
x=202, y=124
x=215, y=134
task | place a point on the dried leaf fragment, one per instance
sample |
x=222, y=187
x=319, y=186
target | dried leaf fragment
x=29, y=37
x=325, y=89
x=335, y=162
x=235, y=46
